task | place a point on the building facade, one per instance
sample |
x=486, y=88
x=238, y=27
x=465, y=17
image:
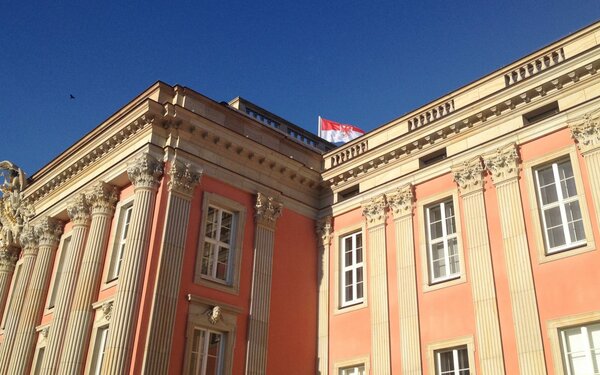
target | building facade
x=188, y=236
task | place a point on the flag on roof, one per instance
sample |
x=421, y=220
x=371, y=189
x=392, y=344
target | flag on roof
x=335, y=132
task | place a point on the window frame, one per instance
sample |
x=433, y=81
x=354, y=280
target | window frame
x=100, y=339
x=350, y=363
x=63, y=248
x=122, y=209
x=336, y=282
x=455, y=359
x=444, y=239
x=354, y=267
x=466, y=342
x=201, y=356
x=40, y=347
x=101, y=321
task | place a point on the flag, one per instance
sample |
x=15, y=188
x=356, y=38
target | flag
x=335, y=132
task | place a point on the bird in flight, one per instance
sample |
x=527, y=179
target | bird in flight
x=71, y=96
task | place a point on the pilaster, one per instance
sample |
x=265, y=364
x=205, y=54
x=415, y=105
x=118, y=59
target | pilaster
x=503, y=165
x=324, y=234
x=469, y=177
x=8, y=259
x=375, y=214
x=268, y=210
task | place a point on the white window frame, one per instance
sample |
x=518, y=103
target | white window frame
x=353, y=370
x=101, y=326
x=202, y=351
x=40, y=349
x=589, y=353
x=58, y=270
x=354, y=267
x=436, y=348
x=119, y=242
x=217, y=244
x=445, y=238
x=454, y=351
x=99, y=349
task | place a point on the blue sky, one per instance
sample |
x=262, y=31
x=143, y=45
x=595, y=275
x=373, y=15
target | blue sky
x=363, y=63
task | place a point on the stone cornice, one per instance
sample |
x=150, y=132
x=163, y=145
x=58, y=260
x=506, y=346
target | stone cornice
x=145, y=172
x=503, y=163
x=102, y=198
x=586, y=131
x=79, y=211
x=400, y=201
x=268, y=210
x=374, y=211
x=324, y=231
x=183, y=178
x=469, y=176
x=49, y=231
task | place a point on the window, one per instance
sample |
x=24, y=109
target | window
x=356, y=370
x=58, y=272
x=559, y=205
x=39, y=358
x=206, y=352
x=352, y=269
x=541, y=113
x=121, y=240
x=99, y=348
x=581, y=349
x=442, y=242
x=218, y=238
x=453, y=361
x=434, y=157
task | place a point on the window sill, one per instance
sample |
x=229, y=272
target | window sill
x=446, y=283
x=568, y=252
x=350, y=308
x=217, y=285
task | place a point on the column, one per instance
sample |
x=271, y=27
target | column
x=182, y=182
x=324, y=231
x=49, y=231
x=374, y=211
x=400, y=203
x=102, y=199
x=503, y=165
x=587, y=133
x=145, y=174
x=469, y=177
x=8, y=258
x=29, y=243
x=79, y=213
x=268, y=211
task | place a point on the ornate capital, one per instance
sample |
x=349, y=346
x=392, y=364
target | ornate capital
x=102, y=198
x=469, y=176
x=29, y=240
x=79, y=211
x=374, y=210
x=268, y=210
x=145, y=171
x=8, y=258
x=107, y=308
x=503, y=163
x=401, y=201
x=183, y=178
x=586, y=131
x=324, y=231
x=49, y=231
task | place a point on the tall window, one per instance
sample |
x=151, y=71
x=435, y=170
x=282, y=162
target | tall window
x=58, y=274
x=452, y=361
x=119, y=249
x=560, y=211
x=352, y=269
x=39, y=358
x=442, y=242
x=581, y=349
x=207, y=352
x=218, y=239
x=356, y=370
x=99, y=348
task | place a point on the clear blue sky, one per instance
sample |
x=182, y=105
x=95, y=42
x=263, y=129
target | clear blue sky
x=363, y=63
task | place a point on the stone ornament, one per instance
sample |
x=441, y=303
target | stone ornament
x=145, y=171
x=102, y=198
x=8, y=259
x=469, y=176
x=586, y=131
x=400, y=201
x=268, y=209
x=214, y=315
x=324, y=231
x=79, y=211
x=15, y=213
x=107, y=308
x=503, y=163
x=29, y=240
x=49, y=231
x=44, y=332
x=183, y=179
x=374, y=210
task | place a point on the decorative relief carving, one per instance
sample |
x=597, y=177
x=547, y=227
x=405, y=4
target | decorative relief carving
x=587, y=131
x=324, y=231
x=469, y=175
x=503, y=164
x=29, y=240
x=374, y=210
x=49, y=231
x=15, y=213
x=268, y=209
x=400, y=201
x=183, y=179
x=214, y=315
x=103, y=198
x=107, y=308
x=145, y=171
x=79, y=210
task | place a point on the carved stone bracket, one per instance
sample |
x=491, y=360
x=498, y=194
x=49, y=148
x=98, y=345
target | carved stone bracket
x=324, y=231
x=586, y=131
x=268, y=210
x=107, y=308
x=145, y=171
x=79, y=211
x=400, y=201
x=102, y=198
x=469, y=176
x=374, y=210
x=49, y=231
x=503, y=163
x=183, y=178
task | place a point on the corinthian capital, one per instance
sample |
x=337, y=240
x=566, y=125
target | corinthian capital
x=324, y=231
x=183, y=178
x=587, y=131
x=79, y=211
x=469, y=176
x=145, y=171
x=49, y=231
x=102, y=198
x=8, y=258
x=374, y=210
x=29, y=240
x=400, y=201
x=503, y=163
x=268, y=210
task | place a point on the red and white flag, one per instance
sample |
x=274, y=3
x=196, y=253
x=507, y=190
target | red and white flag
x=335, y=132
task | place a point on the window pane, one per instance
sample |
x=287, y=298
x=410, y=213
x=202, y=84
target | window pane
x=207, y=259
x=359, y=290
x=437, y=251
x=222, y=263
x=226, y=222
x=446, y=361
x=359, y=274
x=359, y=240
x=552, y=216
x=211, y=223
x=453, y=256
x=439, y=269
x=545, y=176
x=348, y=259
x=348, y=244
x=359, y=255
x=556, y=237
x=565, y=170
x=348, y=278
x=568, y=188
x=463, y=359
x=549, y=194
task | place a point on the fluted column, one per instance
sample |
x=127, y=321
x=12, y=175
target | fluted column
x=79, y=213
x=469, y=177
x=182, y=181
x=49, y=231
x=400, y=203
x=587, y=133
x=102, y=199
x=374, y=211
x=324, y=230
x=268, y=211
x=8, y=259
x=503, y=165
x=29, y=242
x=144, y=173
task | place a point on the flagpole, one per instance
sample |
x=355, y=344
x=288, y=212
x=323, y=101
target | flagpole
x=319, y=127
